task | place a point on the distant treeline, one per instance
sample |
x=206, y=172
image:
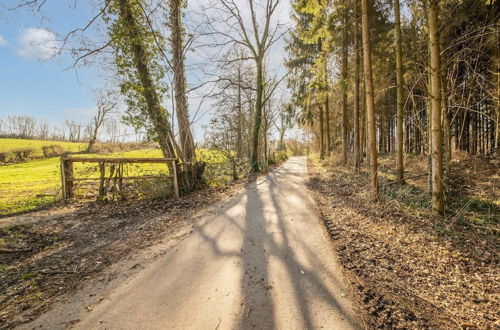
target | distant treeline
x=12, y=152
x=30, y=127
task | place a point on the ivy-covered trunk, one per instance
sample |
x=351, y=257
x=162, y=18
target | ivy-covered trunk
x=155, y=111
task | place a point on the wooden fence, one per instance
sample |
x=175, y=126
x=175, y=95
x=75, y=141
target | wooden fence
x=68, y=178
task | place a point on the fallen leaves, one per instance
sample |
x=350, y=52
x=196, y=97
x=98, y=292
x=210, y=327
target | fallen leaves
x=408, y=270
x=67, y=251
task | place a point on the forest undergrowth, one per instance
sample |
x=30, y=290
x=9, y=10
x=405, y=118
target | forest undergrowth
x=408, y=268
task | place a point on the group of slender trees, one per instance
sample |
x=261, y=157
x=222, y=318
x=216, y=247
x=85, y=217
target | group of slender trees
x=147, y=45
x=102, y=126
x=143, y=57
x=366, y=77
x=429, y=70
x=231, y=130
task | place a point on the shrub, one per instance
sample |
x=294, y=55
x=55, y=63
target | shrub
x=52, y=150
x=23, y=154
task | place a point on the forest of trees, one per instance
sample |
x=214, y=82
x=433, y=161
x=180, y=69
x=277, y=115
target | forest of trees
x=392, y=218
x=419, y=77
x=364, y=77
x=146, y=51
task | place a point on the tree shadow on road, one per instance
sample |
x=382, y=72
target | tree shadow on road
x=260, y=246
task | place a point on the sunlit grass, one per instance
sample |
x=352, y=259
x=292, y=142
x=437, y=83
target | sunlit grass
x=37, y=183
x=7, y=145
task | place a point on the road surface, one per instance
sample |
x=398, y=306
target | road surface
x=263, y=262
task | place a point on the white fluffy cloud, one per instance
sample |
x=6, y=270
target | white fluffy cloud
x=36, y=43
x=3, y=42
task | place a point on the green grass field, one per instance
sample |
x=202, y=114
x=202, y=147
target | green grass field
x=7, y=145
x=34, y=184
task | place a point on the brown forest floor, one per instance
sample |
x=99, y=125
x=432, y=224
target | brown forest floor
x=55, y=258
x=409, y=269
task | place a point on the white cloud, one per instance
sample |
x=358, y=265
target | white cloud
x=36, y=43
x=3, y=42
x=80, y=113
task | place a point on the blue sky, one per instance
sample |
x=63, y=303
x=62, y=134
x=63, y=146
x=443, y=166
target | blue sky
x=32, y=84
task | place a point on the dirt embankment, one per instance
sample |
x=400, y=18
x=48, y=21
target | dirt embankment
x=409, y=270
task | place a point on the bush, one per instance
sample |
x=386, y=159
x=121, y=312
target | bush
x=278, y=157
x=52, y=150
x=109, y=148
x=8, y=157
x=23, y=154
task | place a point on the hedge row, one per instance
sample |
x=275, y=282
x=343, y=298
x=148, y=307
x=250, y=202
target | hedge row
x=26, y=154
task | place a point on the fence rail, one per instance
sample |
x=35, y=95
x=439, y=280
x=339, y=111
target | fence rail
x=68, y=179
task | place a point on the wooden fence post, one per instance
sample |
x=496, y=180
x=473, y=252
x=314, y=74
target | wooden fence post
x=102, y=174
x=63, y=180
x=67, y=178
x=176, y=183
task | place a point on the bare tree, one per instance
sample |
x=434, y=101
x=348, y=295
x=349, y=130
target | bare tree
x=181, y=105
x=74, y=130
x=113, y=130
x=283, y=123
x=235, y=98
x=42, y=130
x=12, y=125
x=106, y=103
x=221, y=136
x=26, y=126
x=228, y=20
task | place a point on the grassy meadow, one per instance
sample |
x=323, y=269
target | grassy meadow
x=12, y=145
x=37, y=183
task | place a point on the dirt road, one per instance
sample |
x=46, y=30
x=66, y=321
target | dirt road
x=263, y=262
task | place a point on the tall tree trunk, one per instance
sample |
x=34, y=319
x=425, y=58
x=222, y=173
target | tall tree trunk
x=429, y=106
x=370, y=101
x=364, y=123
x=282, y=140
x=254, y=158
x=446, y=123
x=345, y=54
x=321, y=132
x=93, y=140
x=155, y=111
x=239, y=133
x=265, y=127
x=327, y=122
x=437, y=156
x=185, y=136
x=356, y=150
x=264, y=140
x=400, y=104
x=497, y=96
